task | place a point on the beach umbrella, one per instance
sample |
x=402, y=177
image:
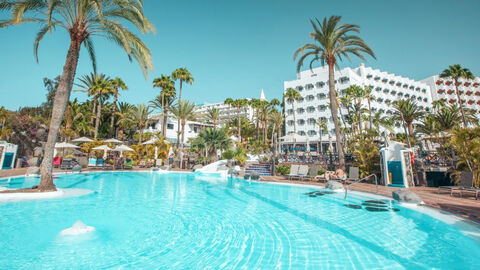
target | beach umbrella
x=123, y=148
x=82, y=140
x=113, y=140
x=153, y=140
x=64, y=145
x=105, y=148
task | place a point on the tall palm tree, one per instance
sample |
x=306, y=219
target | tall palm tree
x=140, y=117
x=239, y=104
x=117, y=84
x=82, y=19
x=124, y=120
x=368, y=95
x=333, y=41
x=407, y=111
x=212, y=115
x=100, y=86
x=321, y=123
x=165, y=99
x=292, y=95
x=183, y=75
x=456, y=72
x=184, y=111
x=276, y=118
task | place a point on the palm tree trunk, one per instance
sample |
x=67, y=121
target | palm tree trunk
x=334, y=110
x=320, y=140
x=294, y=119
x=369, y=113
x=164, y=117
x=97, y=122
x=94, y=107
x=178, y=121
x=239, y=128
x=114, y=110
x=460, y=103
x=60, y=102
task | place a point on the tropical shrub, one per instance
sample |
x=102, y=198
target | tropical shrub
x=282, y=170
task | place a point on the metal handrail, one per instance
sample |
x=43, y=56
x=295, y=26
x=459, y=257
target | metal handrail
x=359, y=180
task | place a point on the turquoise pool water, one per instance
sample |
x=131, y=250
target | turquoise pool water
x=179, y=221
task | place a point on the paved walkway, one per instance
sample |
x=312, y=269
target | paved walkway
x=465, y=206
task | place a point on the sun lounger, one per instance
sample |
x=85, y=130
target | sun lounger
x=471, y=190
x=57, y=161
x=466, y=180
x=100, y=162
x=302, y=172
x=128, y=164
x=92, y=162
x=312, y=172
x=293, y=171
x=67, y=164
x=353, y=174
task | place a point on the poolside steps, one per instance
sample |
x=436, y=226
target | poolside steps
x=261, y=169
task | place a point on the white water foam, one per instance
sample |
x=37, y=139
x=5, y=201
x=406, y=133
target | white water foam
x=78, y=228
x=28, y=196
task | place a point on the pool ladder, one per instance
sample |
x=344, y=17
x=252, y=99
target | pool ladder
x=360, y=180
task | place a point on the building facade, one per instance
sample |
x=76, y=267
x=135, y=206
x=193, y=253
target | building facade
x=444, y=89
x=314, y=104
x=227, y=112
x=192, y=128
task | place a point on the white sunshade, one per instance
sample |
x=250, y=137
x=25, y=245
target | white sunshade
x=113, y=140
x=103, y=147
x=122, y=148
x=65, y=145
x=151, y=141
x=293, y=138
x=82, y=140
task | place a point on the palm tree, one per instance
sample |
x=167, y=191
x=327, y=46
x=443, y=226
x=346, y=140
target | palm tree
x=368, y=95
x=83, y=19
x=276, y=118
x=184, y=111
x=212, y=115
x=210, y=140
x=3, y=117
x=117, y=84
x=100, y=86
x=457, y=72
x=239, y=104
x=322, y=127
x=407, y=111
x=124, y=117
x=183, y=75
x=140, y=117
x=165, y=99
x=292, y=95
x=333, y=41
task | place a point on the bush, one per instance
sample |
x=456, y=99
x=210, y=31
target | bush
x=321, y=171
x=282, y=169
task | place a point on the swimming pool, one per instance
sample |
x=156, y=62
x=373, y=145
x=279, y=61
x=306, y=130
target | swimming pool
x=183, y=221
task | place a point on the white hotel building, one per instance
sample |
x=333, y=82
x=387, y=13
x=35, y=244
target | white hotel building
x=313, y=87
x=444, y=89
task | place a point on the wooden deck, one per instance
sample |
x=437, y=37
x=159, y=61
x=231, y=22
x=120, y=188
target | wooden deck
x=465, y=206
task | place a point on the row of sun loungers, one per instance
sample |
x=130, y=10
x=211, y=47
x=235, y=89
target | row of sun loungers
x=463, y=187
x=99, y=163
x=305, y=172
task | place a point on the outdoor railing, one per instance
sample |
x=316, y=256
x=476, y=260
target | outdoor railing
x=360, y=180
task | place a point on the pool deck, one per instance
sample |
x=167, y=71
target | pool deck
x=465, y=206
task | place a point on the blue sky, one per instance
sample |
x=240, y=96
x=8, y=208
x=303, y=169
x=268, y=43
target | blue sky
x=235, y=48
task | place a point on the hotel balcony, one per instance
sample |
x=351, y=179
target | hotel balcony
x=320, y=84
x=321, y=96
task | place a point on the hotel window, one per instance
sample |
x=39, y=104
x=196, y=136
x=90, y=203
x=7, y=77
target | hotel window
x=169, y=126
x=320, y=84
x=321, y=96
x=310, y=97
x=311, y=109
x=301, y=122
x=312, y=132
x=311, y=121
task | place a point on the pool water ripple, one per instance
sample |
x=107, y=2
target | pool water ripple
x=179, y=221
